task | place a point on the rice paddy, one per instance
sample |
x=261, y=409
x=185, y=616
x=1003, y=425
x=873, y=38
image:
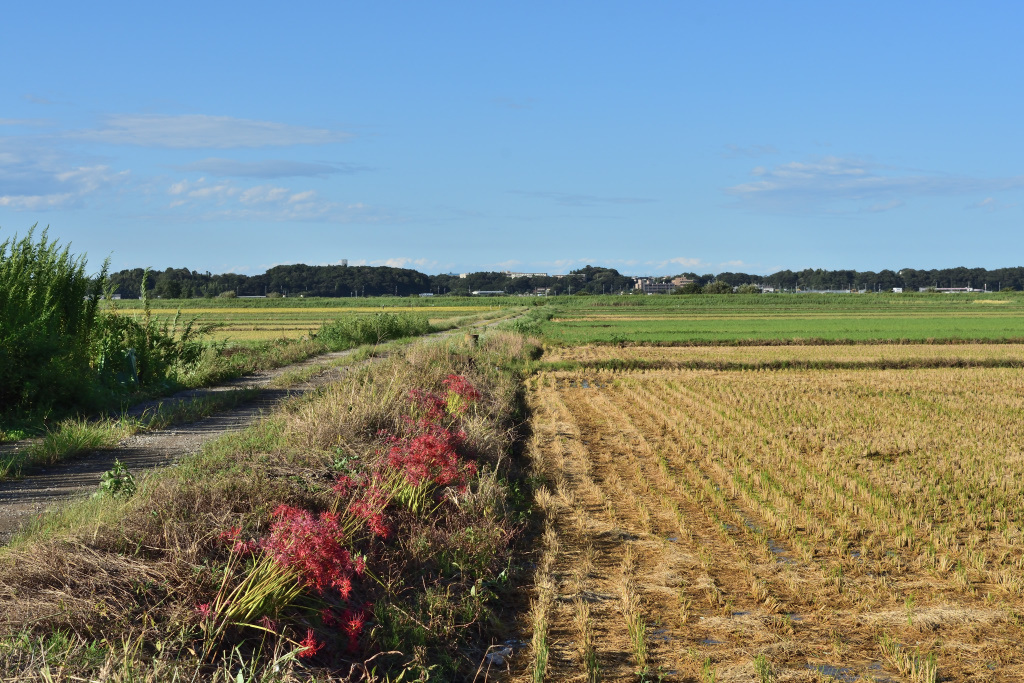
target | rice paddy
x=248, y=324
x=781, y=524
x=731, y=318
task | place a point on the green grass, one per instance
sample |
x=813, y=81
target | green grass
x=731, y=318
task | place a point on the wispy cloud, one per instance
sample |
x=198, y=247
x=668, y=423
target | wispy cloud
x=37, y=99
x=269, y=168
x=225, y=200
x=837, y=185
x=748, y=152
x=24, y=122
x=395, y=262
x=200, y=131
x=990, y=204
x=33, y=178
x=677, y=262
x=571, y=199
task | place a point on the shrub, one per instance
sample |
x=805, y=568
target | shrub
x=372, y=329
x=48, y=309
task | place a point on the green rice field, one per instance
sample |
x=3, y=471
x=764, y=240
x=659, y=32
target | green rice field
x=737, y=318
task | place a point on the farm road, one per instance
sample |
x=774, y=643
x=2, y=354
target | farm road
x=22, y=499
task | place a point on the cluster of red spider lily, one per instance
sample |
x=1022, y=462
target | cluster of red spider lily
x=430, y=453
x=315, y=545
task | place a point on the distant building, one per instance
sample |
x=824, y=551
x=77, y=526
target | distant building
x=648, y=286
x=427, y=294
x=951, y=290
x=488, y=292
x=515, y=275
x=681, y=281
x=897, y=290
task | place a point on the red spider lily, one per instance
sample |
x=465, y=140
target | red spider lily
x=230, y=535
x=369, y=506
x=310, y=645
x=431, y=456
x=430, y=403
x=312, y=546
x=268, y=623
x=343, y=485
x=460, y=386
x=352, y=623
x=244, y=548
x=204, y=610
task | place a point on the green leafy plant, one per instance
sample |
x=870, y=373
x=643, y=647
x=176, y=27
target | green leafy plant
x=117, y=482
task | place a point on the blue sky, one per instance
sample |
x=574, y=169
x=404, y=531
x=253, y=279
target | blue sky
x=654, y=137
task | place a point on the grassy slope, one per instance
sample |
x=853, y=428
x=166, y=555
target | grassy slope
x=75, y=589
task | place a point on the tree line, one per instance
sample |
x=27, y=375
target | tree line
x=350, y=281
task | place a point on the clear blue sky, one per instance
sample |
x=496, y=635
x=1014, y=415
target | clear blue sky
x=654, y=137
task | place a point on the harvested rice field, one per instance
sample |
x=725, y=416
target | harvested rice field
x=779, y=525
x=267, y=323
x=753, y=355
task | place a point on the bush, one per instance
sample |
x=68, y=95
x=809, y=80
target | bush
x=230, y=294
x=48, y=311
x=372, y=329
x=717, y=287
x=59, y=354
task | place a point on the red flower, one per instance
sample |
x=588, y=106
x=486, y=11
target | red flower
x=460, y=386
x=313, y=546
x=432, y=455
x=353, y=622
x=430, y=403
x=310, y=644
x=204, y=610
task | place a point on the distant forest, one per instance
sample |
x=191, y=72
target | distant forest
x=347, y=281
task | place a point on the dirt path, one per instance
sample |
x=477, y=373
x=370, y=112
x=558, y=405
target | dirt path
x=656, y=557
x=22, y=499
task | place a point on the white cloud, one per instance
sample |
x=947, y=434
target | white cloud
x=264, y=194
x=688, y=262
x=403, y=262
x=224, y=200
x=834, y=184
x=43, y=183
x=990, y=204
x=200, y=131
x=269, y=168
x=570, y=199
x=505, y=265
